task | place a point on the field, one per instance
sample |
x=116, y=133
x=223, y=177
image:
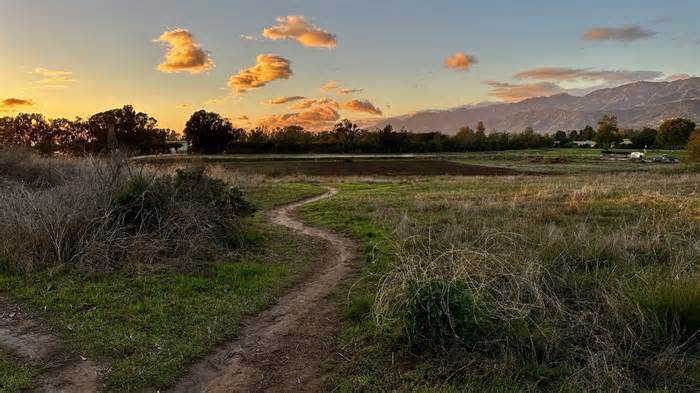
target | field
x=528, y=270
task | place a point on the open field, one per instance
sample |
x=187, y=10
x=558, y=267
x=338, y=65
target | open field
x=494, y=279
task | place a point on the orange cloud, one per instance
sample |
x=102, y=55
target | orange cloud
x=571, y=74
x=308, y=103
x=318, y=117
x=52, y=78
x=514, y=93
x=678, y=77
x=12, y=104
x=625, y=33
x=184, y=53
x=184, y=106
x=460, y=61
x=361, y=106
x=267, y=68
x=283, y=100
x=349, y=91
x=330, y=85
x=297, y=28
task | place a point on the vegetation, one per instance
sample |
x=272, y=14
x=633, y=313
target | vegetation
x=14, y=377
x=117, y=128
x=540, y=283
x=210, y=133
x=183, y=264
x=694, y=146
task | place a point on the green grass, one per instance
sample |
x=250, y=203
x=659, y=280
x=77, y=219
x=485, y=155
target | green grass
x=150, y=327
x=596, y=232
x=14, y=377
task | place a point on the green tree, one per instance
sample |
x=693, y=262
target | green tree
x=674, y=133
x=694, y=146
x=608, y=132
x=643, y=138
x=586, y=134
x=208, y=132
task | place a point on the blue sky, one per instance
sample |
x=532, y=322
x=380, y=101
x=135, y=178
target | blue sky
x=393, y=50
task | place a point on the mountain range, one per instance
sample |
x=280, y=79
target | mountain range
x=636, y=105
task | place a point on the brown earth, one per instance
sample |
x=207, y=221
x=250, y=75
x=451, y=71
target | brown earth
x=291, y=346
x=367, y=168
x=31, y=342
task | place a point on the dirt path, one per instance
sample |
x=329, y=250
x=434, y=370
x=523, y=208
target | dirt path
x=290, y=346
x=32, y=343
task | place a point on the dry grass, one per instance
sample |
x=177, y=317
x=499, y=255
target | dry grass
x=57, y=212
x=591, y=278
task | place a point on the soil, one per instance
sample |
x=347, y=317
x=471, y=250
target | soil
x=27, y=338
x=368, y=168
x=289, y=347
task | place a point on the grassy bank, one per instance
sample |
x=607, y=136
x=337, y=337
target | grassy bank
x=522, y=283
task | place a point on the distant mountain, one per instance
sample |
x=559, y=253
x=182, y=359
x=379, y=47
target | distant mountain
x=636, y=105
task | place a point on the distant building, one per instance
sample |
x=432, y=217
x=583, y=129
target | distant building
x=585, y=143
x=626, y=142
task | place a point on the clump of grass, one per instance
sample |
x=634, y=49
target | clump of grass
x=103, y=215
x=674, y=304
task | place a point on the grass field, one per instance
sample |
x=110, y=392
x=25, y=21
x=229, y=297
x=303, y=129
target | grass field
x=585, y=281
x=561, y=272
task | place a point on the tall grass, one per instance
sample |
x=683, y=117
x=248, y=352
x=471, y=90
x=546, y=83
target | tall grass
x=99, y=215
x=598, y=281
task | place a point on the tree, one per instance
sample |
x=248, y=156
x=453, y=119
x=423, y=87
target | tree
x=480, y=127
x=587, y=134
x=608, y=132
x=694, y=146
x=133, y=130
x=675, y=133
x=644, y=138
x=560, y=136
x=208, y=132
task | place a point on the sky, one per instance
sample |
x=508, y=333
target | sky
x=270, y=62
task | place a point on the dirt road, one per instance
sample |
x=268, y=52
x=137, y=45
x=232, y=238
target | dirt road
x=288, y=347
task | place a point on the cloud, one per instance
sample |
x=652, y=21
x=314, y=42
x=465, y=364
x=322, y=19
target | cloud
x=52, y=78
x=248, y=37
x=514, y=93
x=13, y=104
x=586, y=74
x=678, y=77
x=299, y=29
x=184, y=53
x=330, y=86
x=283, y=100
x=460, y=61
x=349, y=91
x=319, y=115
x=308, y=103
x=361, y=106
x=243, y=118
x=625, y=33
x=184, y=106
x=267, y=68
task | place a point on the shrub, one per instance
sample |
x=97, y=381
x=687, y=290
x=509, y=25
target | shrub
x=441, y=312
x=675, y=304
x=108, y=215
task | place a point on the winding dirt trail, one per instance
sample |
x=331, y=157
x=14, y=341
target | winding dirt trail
x=34, y=344
x=290, y=346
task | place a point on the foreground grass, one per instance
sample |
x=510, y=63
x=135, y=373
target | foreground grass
x=620, y=239
x=149, y=327
x=14, y=377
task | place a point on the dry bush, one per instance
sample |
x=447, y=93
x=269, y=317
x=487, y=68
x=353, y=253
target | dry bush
x=105, y=214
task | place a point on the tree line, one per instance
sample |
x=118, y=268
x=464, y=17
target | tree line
x=210, y=133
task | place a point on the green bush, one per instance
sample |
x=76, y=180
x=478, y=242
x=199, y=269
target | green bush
x=675, y=304
x=442, y=312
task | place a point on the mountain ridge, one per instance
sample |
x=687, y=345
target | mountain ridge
x=638, y=104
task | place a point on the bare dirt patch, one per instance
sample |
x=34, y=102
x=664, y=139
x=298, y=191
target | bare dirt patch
x=368, y=168
x=33, y=343
x=289, y=346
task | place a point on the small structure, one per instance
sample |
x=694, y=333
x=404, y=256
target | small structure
x=585, y=143
x=636, y=155
x=176, y=147
x=626, y=142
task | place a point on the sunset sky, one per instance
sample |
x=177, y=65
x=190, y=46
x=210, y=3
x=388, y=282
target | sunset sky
x=299, y=61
